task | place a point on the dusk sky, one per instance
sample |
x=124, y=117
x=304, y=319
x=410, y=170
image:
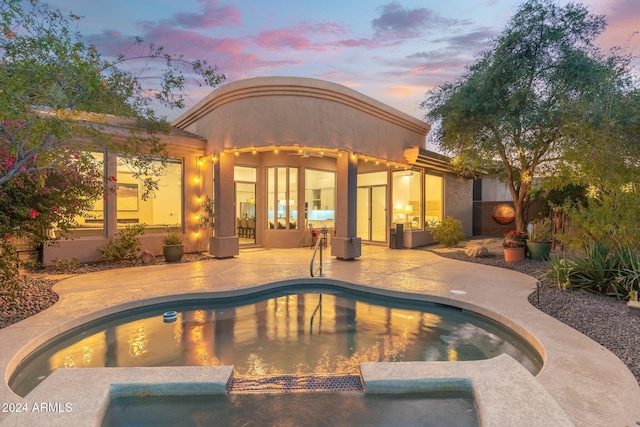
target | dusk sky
x=393, y=51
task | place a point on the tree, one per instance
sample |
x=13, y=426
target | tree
x=57, y=94
x=533, y=101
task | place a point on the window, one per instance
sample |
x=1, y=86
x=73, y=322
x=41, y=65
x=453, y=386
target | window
x=162, y=209
x=282, y=193
x=91, y=223
x=320, y=197
x=407, y=200
x=433, y=199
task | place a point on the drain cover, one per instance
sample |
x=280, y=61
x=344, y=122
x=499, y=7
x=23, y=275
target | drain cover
x=295, y=383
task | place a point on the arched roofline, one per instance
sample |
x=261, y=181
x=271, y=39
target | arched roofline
x=298, y=86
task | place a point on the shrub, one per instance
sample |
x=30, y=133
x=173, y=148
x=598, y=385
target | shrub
x=172, y=238
x=449, y=232
x=126, y=247
x=9, y=277
x=542, y=230
x=600, y=270
x=627, y=275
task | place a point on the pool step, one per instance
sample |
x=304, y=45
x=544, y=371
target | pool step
x=295, y=383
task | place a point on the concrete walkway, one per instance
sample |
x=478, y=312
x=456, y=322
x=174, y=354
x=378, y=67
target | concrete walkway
x=588, y=382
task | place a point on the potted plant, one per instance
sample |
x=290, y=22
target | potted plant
x=514, y=245
x=539, y=240
x=172, y=248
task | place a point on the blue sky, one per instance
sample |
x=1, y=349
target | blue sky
x=391, y=50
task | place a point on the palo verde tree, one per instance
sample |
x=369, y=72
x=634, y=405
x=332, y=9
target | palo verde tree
x=526, y=107
x=57, y=94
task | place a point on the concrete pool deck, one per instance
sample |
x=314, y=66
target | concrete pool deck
x=591, y=385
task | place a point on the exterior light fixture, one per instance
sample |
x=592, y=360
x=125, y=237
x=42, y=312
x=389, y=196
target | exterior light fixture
x=237, y=153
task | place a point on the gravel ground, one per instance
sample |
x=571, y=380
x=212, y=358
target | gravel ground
x=604, y=319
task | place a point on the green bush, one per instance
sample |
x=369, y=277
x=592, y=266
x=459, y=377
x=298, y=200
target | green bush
x=9, y=276
x=125, y=247
x=449, y=232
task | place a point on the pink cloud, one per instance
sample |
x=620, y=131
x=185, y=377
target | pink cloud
x=299, y=37
x=623, y=23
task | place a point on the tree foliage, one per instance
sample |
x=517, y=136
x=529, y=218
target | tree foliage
x=536, y=102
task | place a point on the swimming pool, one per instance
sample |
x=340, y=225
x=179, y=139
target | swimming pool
x=289, y=329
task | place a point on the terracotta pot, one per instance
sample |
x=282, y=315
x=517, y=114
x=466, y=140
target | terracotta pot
x=512, y=255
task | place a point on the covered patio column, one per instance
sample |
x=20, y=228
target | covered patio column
x=225, y=243
x=346, y=245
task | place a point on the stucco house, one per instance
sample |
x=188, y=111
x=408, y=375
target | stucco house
x=280, y=157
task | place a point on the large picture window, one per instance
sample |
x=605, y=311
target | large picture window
x=162, y=209
x=320, y=198
x=91, y=223
x=282, y=194
x=407, y=199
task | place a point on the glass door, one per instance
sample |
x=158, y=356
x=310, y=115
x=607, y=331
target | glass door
x=246, y=212
x=371, y=213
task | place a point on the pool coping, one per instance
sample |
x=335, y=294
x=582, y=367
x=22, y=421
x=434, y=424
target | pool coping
x=504, y=392
x=584, y=378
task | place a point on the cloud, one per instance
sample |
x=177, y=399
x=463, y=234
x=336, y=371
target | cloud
x=398, y=22
x=474, y=41
x=299, y=37
x=212, y=15
x=623, y=18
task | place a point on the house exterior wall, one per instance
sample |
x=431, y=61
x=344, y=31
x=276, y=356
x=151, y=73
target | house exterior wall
x=458, y=193
x=272, y=122
x=290, y=111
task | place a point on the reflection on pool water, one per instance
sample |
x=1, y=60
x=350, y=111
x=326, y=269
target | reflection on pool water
x=295, y=329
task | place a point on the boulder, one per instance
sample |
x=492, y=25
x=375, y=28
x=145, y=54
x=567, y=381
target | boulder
x=476, y=251
x=147, y=258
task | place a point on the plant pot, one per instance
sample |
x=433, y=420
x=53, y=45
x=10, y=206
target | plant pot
x=539, y=250
x=173, y=253
x=512, y=255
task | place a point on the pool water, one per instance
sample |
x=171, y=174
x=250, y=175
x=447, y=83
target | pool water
x=445, y=409
x=296, y=329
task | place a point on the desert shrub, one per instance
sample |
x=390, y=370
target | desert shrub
x=627, y=275
x=127, y=246
x=600, y=270
x=172, y=238
x=448, y=232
